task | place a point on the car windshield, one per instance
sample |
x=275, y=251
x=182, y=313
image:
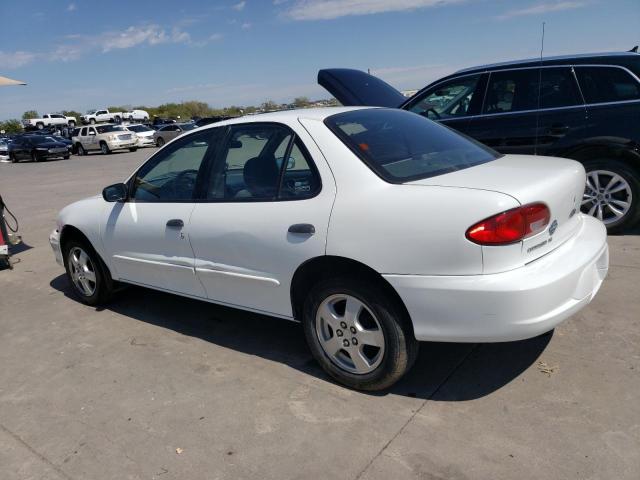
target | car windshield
x=139, y=128
x=401, y=146
x=110, y=128
x=42, y=139
x=187, y=126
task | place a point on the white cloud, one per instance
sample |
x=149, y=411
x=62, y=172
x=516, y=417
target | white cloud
x=246, y=26
x=11, y=60
x=239, y=6
x=542, y=8
x=330, y=9
x=215, y=37
x=71, y=7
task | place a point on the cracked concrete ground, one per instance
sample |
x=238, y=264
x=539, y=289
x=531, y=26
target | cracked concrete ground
x=112, y=393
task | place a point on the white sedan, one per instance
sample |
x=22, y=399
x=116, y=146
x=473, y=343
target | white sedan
x=144, y=135
x=376, y=228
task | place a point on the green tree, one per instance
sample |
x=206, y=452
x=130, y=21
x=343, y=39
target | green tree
x=11, y=126
x=270, y=105
x=301, y=102
x=71, y=113
x=29, y=114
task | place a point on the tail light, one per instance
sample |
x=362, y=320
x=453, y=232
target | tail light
x=510, y=226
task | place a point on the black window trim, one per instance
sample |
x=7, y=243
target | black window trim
x=204, y=173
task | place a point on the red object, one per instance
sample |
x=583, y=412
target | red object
x=511, y=226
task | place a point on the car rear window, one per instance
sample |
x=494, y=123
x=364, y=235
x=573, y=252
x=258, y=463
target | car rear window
x=401, y=146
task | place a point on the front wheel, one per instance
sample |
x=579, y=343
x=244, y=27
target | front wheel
x=72, y=124
x=13, y=158
x=612, y=193
x=160, y=141
x=358, y=334
x=87, y=275
x=92, y=121
x=80, y=149
x=104, y=148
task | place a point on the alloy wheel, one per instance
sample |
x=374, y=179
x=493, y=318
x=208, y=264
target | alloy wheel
x=607, y=196
x=83, y=273
x=350, y=334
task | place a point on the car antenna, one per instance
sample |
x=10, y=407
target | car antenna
x=535, y=147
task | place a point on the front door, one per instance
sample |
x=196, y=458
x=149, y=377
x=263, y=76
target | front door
x=267, y=212
x=147, y=237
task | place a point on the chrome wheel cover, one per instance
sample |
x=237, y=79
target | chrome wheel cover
x=350, y=334
x=83, y=273
x=607, y=196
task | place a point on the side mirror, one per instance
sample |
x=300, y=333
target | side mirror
x=92, y=133
x=117, y=192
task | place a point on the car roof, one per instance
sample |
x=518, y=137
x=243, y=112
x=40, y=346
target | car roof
x=285, y=116
x=579, y=58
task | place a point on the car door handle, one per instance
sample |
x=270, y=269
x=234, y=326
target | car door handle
x=303, y=228
x=175, y=222
x=558, y=129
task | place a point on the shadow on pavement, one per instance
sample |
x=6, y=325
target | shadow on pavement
x=436, y=373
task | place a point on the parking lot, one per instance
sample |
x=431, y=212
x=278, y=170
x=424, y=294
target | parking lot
x=159, y=386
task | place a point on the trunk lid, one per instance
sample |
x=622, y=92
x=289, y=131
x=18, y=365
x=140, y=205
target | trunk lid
x=559, y=183
x=357, y=88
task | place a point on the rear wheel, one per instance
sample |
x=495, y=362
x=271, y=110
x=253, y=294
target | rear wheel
x=87, y=274
x=39, y=125
x=612, y=193
x=12, y=157
x=67, y=157
x=104, y=148
x=358, y=334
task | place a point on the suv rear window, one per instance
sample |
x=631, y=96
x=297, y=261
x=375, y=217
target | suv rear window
x=607, y=84
x=401, y=146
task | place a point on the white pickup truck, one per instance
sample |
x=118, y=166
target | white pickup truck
x=98, y=116
x=49, y=120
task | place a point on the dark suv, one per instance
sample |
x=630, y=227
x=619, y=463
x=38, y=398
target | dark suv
x=584, y=107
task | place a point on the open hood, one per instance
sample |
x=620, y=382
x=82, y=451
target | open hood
x=356, y=88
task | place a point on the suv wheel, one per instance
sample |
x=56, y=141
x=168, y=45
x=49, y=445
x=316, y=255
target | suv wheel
x=12, y=157
x=87, y=275
x=72, y=124
x=612, y=193
x=357, y=334
x=104, y=148
x=80, y=149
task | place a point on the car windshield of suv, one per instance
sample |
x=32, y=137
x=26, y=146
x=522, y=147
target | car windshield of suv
x=110, y=128
x=139, y=128
x=401, y=146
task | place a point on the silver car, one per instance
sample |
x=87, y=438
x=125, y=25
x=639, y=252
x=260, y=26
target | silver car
x=171, y=131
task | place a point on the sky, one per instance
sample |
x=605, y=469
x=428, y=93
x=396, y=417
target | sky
x=78, y=55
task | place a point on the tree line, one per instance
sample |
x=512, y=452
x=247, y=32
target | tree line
x=183, y=110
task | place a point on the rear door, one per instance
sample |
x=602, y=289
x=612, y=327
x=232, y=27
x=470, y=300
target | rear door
x=268, y=200
x=452, y=102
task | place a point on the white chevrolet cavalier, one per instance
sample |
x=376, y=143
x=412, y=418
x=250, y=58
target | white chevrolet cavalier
x=376, y=228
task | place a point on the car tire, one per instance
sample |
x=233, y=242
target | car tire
x=92, y=121
x=34, y=157
x=160, y=142
x=618, y=199
x=13, y=158
x=40, y=126
x=133, y=149
x=67, y=157
x=104, y=148
x=80, y=149
x=344, y=345
x=117, y=120
x=88, y=276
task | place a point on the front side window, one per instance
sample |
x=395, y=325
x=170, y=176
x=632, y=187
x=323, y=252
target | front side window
x=401, y=146
x=262, y=162
x=83, y=132
x=171, y=174
x=449, y=100
x=607, y=84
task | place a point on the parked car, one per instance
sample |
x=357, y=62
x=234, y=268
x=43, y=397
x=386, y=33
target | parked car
x=171, y=131
x=37, y=148
x=136, y=116
x=49, y=120
x=105, y=138
x=376, y=228
x=4, y=149
x=100, y=116
x=144, y=134
x=159, y=121
x=201, y=122
x=586, y=107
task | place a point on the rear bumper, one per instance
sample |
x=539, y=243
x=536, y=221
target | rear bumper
x=513, y=305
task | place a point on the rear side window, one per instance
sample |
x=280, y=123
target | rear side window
x=607, y=84
x=401, y=146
